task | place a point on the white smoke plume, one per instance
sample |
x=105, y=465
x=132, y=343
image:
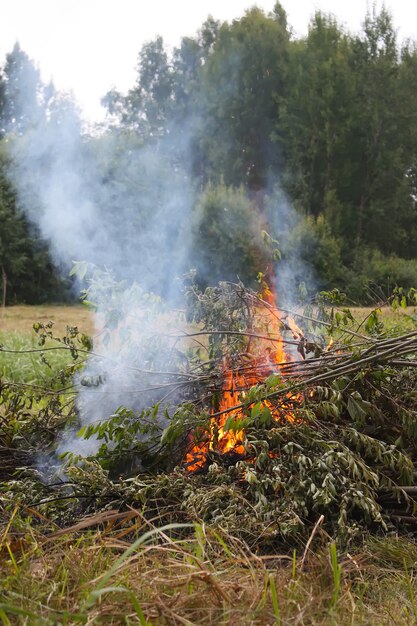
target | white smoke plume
x=126, y=208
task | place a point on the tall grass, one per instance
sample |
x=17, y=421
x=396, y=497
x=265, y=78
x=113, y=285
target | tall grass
x=133, y=573
x=27, y=363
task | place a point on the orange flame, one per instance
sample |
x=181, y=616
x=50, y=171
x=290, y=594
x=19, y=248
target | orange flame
x=264, y=361
x=296, y=331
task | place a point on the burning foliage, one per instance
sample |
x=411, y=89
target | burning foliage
x=260, y=426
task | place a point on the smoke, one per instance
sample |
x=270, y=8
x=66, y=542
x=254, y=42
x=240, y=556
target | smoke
x=109, y=201
x=52, y=174
x=126, y=208
x=295, y=278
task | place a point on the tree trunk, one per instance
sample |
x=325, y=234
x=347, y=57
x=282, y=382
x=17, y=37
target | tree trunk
x=4, y=279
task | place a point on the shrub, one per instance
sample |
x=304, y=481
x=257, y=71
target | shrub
x=227, y=241
x=376, y=276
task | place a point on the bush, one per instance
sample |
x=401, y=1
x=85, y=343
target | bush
x=367, y=277
x=312, y=242
x=227, y=237
x=376, y=276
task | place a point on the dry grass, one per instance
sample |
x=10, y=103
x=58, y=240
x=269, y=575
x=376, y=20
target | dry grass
x=126, y=573
x=21, y=318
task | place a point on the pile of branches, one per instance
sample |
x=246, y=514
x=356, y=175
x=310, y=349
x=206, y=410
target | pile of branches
x=329, y=435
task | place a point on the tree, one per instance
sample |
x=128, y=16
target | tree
x=348, y=129
x=315, y=119
x=146, y=108
x=28, y=111
x=27, y=272
x=382, y=205
x=244, y=80
x=23, y=93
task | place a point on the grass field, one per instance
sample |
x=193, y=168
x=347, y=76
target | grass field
x=20, y=319
x=16, y=333
x=108, y=577
x=115, y=569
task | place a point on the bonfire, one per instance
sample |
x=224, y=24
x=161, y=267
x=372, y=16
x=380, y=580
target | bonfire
x=266, y=423
x=264, y=356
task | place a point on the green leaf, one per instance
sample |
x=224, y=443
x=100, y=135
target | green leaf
x=355, y=410
x=172, y=432
x=256, y=410
x=79, y=268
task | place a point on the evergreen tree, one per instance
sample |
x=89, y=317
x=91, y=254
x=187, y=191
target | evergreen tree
x=24, y=93
x=27, y=272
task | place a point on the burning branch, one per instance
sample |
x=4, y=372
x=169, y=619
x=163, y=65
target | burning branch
x=254, y=423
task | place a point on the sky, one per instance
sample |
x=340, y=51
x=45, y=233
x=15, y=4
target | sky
x=90, y=46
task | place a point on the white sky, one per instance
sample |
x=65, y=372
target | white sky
x=89, y=46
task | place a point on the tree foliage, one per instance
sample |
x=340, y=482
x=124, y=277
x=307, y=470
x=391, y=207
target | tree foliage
x=244, y=106
x=27, y=271
x=331, y=116
x=226, y=236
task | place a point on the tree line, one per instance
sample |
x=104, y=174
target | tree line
x=259, y=121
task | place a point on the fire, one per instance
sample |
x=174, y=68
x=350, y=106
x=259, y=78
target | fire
x=296, y=331
x=267, y=356
x=221, y=439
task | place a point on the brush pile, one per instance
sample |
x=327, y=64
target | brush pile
x=281, y=419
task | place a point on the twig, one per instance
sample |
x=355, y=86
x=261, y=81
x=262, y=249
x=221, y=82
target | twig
x=308, y=544
x=351, y=367
x=310, y=319
x=277, y=339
